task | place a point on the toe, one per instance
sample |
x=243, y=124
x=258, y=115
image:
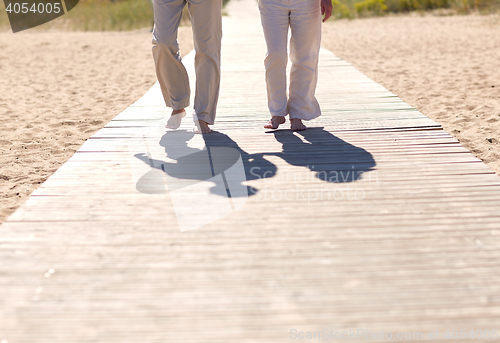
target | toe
x=274, y=123
x=270, y=125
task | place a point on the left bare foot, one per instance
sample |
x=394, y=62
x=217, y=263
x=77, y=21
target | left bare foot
x=201, y=126
x=296, y=125
x=175, y=119
x=274, y=122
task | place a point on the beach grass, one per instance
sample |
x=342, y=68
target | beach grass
x=126, y=15
x=102, y=15
x=105, y=15
x=4, y=20
x=368, y=8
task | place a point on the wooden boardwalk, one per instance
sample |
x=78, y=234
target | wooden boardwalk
x=372, y=219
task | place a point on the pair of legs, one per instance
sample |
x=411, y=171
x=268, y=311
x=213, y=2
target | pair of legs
x=206, y=19
x=303, y=17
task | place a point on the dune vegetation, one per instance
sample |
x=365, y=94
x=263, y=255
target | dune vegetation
x=125, y=15
x=368, y=8
x=102, y=15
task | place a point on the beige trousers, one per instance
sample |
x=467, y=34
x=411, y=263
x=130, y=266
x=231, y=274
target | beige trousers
x=206, y=18
x=303, y=17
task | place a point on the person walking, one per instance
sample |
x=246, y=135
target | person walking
x=206, y=20
x=304, y=18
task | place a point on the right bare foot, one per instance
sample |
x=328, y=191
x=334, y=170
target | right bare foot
x=175, y=119
x=274, y=122
x=296, y=125
x=201, y=126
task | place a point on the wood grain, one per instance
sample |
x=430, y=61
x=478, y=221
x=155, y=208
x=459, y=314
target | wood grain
x=406, y=239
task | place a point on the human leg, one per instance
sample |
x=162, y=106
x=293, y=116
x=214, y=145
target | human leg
x=305, y=24
x=275, y=21
x=170, y=71
x=206, y=18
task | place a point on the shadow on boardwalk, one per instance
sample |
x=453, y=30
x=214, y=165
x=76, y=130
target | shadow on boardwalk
x=193, y=165
x=329, y=157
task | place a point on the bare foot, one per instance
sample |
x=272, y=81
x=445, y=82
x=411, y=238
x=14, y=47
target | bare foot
x=201, y=126
x=296, y=125
x=274, y=122
x=175, y=119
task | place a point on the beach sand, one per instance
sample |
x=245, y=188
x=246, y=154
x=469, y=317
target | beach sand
x=59, y=88
x=446, y=67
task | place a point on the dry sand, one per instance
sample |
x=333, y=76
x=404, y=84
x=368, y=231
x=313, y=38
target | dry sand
x=56, y=90
x=446, y=67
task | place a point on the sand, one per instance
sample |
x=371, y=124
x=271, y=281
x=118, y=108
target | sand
x=446, y=67
x=56, y=90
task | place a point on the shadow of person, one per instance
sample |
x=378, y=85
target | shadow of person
x=256, y=166
x=221, y=156
x=331, y=158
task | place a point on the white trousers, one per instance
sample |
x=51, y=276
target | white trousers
x=304, y=19
x=206, y=19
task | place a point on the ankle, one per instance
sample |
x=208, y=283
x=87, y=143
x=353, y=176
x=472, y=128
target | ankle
x=177, y=111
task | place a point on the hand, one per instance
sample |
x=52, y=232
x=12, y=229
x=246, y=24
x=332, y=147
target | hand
x=326, y=9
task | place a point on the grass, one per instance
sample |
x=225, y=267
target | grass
x=105, y=15
x=125, y=15
x=4, y=21
x=367, y=8
x=102, y=15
